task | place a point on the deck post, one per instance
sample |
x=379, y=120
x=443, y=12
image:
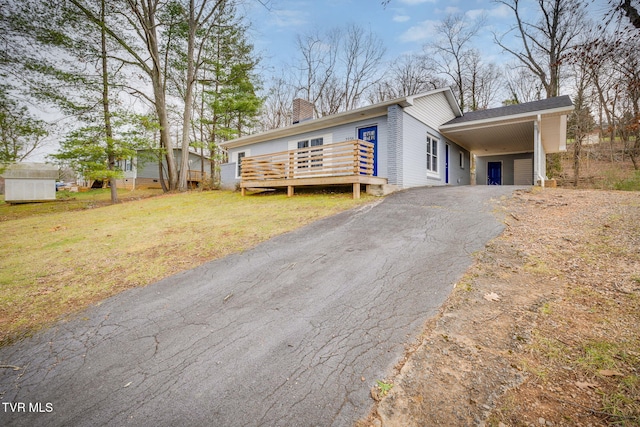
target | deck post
x=290, y=191
x=243, y=191
x=291, y=164
x=356, y=190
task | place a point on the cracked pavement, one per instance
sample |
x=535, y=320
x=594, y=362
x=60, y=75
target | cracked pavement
x=295, y=331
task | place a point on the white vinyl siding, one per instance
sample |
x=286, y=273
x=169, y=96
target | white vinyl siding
x=433, y=109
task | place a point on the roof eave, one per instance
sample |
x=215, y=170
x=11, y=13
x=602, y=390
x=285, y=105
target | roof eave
x=510, y=118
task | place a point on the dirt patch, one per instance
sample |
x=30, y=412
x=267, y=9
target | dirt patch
x=543, y=329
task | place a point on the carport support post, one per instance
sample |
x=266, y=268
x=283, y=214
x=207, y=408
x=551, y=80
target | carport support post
x=538, y=152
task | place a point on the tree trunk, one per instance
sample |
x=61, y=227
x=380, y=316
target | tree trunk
x=188, y=98
x=105, y=104
x=159, y=92
x=576, y=161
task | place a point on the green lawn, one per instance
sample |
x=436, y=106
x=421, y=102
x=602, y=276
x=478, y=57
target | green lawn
x=59, y=257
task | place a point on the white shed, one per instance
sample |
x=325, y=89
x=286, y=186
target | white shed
x=30, y=182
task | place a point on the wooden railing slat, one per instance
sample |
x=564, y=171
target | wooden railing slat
x=345, y=158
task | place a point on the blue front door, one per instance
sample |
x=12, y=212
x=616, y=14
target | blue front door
x=494, y=173
x=446, y=164
x=370, y=134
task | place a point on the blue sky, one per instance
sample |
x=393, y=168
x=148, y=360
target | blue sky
x=404, y=25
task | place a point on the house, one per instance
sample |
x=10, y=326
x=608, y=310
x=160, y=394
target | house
x=414, y=141
x=143, y=170
x=30, y=182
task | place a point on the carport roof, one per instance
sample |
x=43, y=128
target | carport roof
x=510, y=129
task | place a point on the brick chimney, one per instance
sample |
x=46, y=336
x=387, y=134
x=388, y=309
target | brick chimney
x=302, y=110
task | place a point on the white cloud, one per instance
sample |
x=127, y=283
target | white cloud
x=501, y=11
x=401, y=18
x=474, y=14
x=422, y=32
x=287, y=18
x=451, y=10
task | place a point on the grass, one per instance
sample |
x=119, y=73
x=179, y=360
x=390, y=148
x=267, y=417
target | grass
x=57, y=258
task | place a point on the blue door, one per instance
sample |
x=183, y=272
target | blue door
x=370, y=134
x=446, y=164
x=494, y=173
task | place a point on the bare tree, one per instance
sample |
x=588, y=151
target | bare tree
x=546, y=41
x=318, y=64
x=338, y=67
x=362, y=52
x=407, y=75
x=451, y=51
x=628, y=68
x=482, y=82
x=580, y=122
x=201, y=21
x=522, y=85
x=629, y=10
x=276, y=111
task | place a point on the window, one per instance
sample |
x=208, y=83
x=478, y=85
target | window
x=461, y=160
x=241, y=155
x=432, y=154
x=311, y=158
x=125, y=165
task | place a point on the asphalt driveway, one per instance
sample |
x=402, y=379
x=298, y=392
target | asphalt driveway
x=294, y=332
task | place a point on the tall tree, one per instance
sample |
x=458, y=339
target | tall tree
x=226, y=103
x=60, y=30
x=546, y=40
x=407, y=75
x=453, y=52
x=482, y=82
x=20, y=132
x=580, y=123
x=337, y=68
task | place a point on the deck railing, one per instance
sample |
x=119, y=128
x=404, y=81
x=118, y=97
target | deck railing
x=197, y=176
x=353, y=157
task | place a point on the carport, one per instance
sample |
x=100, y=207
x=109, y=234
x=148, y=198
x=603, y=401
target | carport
x=509, y=144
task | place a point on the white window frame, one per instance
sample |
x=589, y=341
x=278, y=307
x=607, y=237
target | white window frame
x=433, y=156
x=234, y=159
x=326, y=140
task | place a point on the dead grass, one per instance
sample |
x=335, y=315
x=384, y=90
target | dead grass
x=55, y=263
x=542, y=331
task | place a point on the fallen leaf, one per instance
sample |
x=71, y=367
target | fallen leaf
x=585, y=385
x=127, y=384
x=610, y=373
x=492, y=297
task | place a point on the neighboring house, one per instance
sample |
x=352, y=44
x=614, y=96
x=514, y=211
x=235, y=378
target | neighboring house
x=417, y=140
x=30, y=182
x=143, y=171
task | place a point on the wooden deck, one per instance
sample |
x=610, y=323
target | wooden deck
x=349, y=162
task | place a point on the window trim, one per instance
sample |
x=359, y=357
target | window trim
x=308, y=157
x=238, y=167
x=433, y=156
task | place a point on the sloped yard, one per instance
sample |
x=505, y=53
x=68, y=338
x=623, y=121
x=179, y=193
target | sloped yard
x=542, y=331
x=57, y=258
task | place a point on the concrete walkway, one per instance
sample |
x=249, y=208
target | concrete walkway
x=294, y=332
